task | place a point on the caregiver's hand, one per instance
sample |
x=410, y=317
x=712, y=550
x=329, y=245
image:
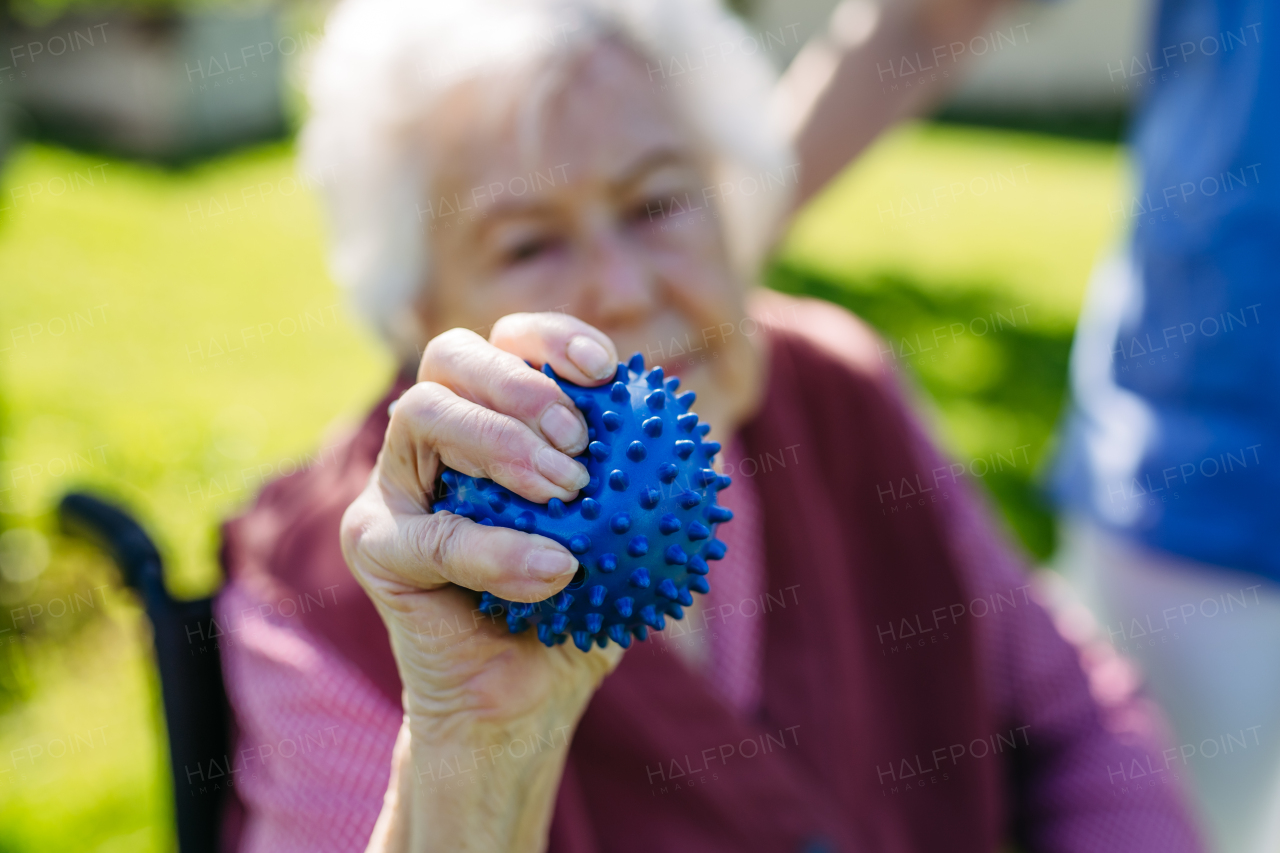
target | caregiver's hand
x=470, y=687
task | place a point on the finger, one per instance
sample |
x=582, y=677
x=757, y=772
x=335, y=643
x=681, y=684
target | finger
x=498, y=380
x=576, y=350
x=432, y=424
x=398, y=555
x=514, y=565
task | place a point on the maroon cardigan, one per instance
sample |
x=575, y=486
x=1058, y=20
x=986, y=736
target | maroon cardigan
x=658, y=763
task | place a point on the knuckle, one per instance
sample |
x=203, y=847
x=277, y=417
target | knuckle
x=454, y=339
x=518, y=474
x=554, y=328
x=508, y=326
x=546, y=326
x=559, y=323
x=525, y=393
x=502, y=449
x=499, y=436
x=423, y=405
x=418, y=395
x=365, y=542
x=445, y=347
x=565, y=326
x=355, y=527
x=442, y=542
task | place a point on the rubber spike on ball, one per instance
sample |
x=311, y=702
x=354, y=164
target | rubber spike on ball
x=642, y=545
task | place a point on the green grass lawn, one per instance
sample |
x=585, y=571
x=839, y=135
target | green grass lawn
x=172, y=338
x=172, y=356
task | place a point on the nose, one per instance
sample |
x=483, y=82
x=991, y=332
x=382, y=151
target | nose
x=620, y=286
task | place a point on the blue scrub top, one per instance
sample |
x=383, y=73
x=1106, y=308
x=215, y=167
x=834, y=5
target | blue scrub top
x=1173, y=436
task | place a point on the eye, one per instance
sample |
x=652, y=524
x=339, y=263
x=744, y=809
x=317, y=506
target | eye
x=529, y=249
x=651, y=209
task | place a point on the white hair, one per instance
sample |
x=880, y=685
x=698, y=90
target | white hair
x=383, y=64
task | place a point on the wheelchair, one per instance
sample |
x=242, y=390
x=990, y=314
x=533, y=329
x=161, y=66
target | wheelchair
x=198, y=720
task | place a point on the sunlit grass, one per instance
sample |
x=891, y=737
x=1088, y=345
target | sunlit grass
x=1018, y=215
x=172, y=356
x=83, y=764
x=166, y=334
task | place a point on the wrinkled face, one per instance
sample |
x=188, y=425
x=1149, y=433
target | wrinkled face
x=603, y=217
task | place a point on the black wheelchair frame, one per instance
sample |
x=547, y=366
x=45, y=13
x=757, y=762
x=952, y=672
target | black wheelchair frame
x=198, y=719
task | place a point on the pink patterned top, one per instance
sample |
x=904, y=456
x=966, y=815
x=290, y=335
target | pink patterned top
x=314, y=751
x=316, y=736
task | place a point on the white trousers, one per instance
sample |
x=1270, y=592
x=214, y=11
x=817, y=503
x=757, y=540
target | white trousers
x=1207, y=640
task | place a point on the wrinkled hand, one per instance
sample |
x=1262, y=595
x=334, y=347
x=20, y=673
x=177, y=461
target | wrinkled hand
x=480, y=409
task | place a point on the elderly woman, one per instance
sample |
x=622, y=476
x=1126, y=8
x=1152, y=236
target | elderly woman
x=554, y=183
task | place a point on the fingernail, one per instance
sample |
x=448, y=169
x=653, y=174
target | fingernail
x=560, y=469
x=547, y=564
x=564, y=430
x=590, y=357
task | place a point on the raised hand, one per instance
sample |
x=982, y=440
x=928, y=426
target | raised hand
x=480, y=409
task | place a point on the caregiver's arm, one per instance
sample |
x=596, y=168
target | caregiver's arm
x=849, y=83
x=470, y=688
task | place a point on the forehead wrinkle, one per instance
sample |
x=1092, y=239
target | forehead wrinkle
x=610, y=72
x=492, y=116
x=490, y=130
x=556, y=75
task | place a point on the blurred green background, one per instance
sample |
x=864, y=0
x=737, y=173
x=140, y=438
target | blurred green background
x=172, y=338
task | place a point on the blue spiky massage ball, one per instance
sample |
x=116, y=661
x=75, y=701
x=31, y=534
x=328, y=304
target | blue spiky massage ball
x=643, y=529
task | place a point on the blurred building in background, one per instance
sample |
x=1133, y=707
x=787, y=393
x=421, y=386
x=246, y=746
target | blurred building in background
x=176, y=84
x=167, y=86
x=1063, y=61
